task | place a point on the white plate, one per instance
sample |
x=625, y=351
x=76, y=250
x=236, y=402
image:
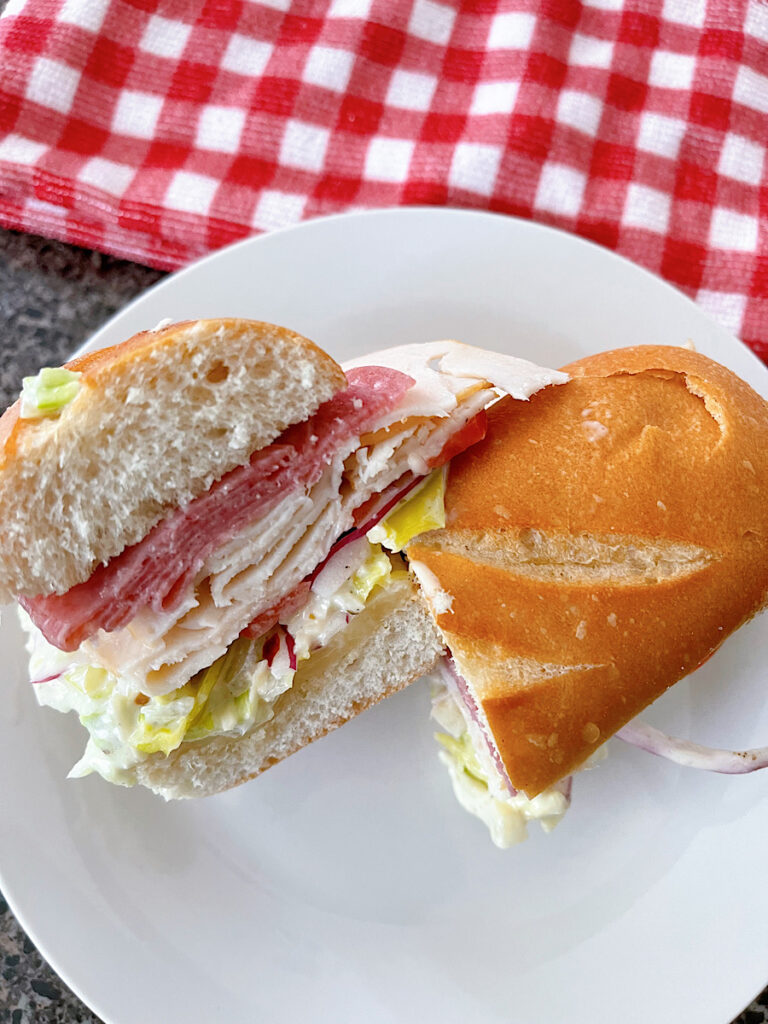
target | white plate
x=346, y=884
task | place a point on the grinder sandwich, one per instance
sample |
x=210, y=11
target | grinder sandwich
x=185, y=521
x=601, y=542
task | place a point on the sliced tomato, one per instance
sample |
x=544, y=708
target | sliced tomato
x=474, y=430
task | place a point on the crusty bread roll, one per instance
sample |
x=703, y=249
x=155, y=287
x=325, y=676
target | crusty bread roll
x=387, y=646
x=600, y=543
x=155, y=422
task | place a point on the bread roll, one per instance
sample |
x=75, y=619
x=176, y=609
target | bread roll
x=155, y=422
x=600, y=543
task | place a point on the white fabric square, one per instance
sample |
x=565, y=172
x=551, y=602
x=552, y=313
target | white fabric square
x=588, y=52
x=136, y=114
x=512, y=30
x=191, y=193
x=88, y=15
x=106, y=175
x=606, y=5
x=53, y=84
x=672, y=70
x=757, y=20
x=742, y=159
x=685, y=12
x=350, y=8
x=304, y=145
x=45, y=209
x=410, y=90
x=328, y=67
x=579, y=110
x=494, y=98
x=474, y=167
x=164, y=37
x=660, y=134
x=13, y=7
x=19, y=150
x=278, y=5
x=727, y=307
x=646, y=208
x=388, y=160
x=277, y=210
x=751, y=89
x=220, y=128
x=431, y=21
x=246, y=56
x=732, y=230
x=561, y=190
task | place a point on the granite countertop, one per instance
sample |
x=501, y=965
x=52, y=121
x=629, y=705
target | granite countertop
x=52, y=297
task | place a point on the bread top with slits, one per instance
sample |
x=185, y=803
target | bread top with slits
x=155, y=422
x=600, y=543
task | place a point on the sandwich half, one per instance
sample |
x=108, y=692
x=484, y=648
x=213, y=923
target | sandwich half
x=185, y=521
x=601, y=542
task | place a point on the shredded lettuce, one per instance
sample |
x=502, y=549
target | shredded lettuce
x=463, y=753
x=237, y=693
x=374, y=572
x=48, y=392
x=478, y=786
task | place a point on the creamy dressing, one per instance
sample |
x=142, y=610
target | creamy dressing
x=477, y=784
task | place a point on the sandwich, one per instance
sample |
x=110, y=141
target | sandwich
x=186, y=521
x=601, y=542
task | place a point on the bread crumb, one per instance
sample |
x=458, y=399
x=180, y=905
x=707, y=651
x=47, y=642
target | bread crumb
x=748, y=465
x=581, y=630
x=552, y=740
x=597, y=499
x=594, y=430
x=612, y=620
x=590, y=733
x=587, y=413
x=660, y=505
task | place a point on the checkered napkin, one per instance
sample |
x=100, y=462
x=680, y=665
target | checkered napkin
x=162, y=129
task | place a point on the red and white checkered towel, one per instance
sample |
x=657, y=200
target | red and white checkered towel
x=162, y=129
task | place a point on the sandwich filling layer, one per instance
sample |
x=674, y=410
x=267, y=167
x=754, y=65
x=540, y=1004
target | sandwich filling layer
x=477, y=776
x=197, y=630
x=242, y=688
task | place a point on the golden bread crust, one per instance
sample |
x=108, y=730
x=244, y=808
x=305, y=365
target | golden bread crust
x=600, y=543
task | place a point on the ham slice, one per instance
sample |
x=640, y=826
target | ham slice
x=158, y=570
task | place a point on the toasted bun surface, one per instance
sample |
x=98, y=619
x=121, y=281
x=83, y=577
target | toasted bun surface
x=601, y=542
x=389, y=644
x=155, y=422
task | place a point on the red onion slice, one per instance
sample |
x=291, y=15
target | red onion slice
x=48, y=679
x=457, y=682
x=693, y=755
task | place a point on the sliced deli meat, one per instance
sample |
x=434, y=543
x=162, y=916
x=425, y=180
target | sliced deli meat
x=157, y=571
x=388, y=428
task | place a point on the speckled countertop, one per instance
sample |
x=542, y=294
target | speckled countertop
x=52, y=297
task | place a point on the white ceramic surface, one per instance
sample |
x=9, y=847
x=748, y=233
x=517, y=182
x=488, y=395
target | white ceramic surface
x=346, y=884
